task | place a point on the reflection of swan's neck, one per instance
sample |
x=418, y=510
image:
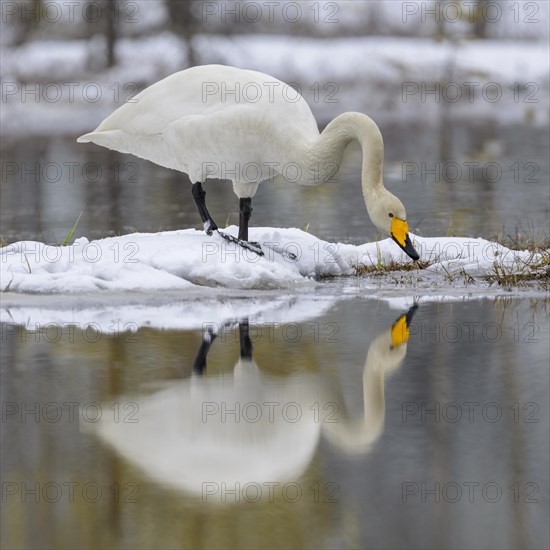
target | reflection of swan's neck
x=356, y=436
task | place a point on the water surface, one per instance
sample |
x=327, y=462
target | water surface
x=451, y=452
x=454, y=179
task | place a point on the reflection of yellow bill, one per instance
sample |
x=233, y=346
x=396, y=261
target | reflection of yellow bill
x=400, y=331
x=399, y=230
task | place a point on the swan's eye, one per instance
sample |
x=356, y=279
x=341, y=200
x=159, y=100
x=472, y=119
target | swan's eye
x=390, y=215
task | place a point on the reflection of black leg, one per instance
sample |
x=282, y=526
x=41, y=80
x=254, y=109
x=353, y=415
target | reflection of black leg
x=245, y=207
x=246, y=343
x=199, y=366
x=199, y=199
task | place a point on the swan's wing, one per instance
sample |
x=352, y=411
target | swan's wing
x=193, y=117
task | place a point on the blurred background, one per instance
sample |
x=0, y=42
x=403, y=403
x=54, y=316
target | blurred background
x=459, y=89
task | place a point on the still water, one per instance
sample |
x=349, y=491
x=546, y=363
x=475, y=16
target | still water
x=330, y=431
x=478, y=185
x=328, y=426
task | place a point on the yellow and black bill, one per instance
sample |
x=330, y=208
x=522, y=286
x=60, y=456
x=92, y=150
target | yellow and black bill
x=400, y=234
x=400, y=329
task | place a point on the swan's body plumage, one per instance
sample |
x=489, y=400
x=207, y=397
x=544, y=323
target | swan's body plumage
x=214, y=121
x=178, y=124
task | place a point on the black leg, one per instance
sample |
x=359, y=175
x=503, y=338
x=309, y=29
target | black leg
x=199, y=365
x=246, y=343
x=210, y=225
x=199, y=199
x=245, y=207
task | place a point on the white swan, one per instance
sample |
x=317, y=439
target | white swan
x=214, y=121
x=250, y=427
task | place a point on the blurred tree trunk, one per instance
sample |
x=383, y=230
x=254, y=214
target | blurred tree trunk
x=31, y=15
x=185, y=24
x=440, y=24
x=480, y=23
x=109, y=9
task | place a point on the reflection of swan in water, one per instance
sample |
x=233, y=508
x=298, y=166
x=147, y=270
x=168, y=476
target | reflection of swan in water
x=250, y=427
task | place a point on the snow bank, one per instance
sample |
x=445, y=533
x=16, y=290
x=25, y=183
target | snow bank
x=187, y=259
x=185, y=279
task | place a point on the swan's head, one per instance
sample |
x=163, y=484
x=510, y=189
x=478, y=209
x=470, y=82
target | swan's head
x=388, y=214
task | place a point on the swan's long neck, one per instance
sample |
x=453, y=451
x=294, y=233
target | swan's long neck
x=330, y=146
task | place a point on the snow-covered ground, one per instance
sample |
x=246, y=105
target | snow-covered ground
x=185, y=259
x=183, y=279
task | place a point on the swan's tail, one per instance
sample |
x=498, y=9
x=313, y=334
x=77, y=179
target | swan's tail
x=146, y=146
x=107, y=138
x=86, y=138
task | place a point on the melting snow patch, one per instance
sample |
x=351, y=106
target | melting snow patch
x=183, y=260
